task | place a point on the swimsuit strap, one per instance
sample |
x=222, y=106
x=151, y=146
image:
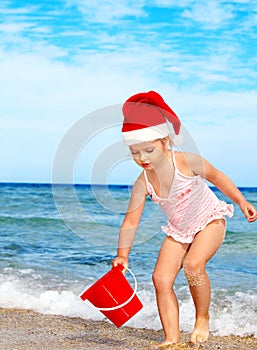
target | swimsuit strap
x=174, y=159
x=149, y=187
x=146, y=179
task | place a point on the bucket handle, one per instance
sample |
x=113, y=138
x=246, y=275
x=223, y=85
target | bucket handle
x=126, y=302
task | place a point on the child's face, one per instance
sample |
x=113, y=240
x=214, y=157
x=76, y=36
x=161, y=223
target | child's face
x=149, y=155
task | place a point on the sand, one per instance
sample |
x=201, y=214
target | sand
x=27, y=330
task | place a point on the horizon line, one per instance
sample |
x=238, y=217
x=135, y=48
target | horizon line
x=90, y=184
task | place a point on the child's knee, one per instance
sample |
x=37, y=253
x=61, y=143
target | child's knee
x=161, y=281
x=194, y=272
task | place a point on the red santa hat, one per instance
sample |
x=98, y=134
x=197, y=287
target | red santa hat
x=145, y=116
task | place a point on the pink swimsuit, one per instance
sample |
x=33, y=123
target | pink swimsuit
x=190, y=207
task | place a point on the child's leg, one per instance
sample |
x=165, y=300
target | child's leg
x=167, y=267
x=204, y=246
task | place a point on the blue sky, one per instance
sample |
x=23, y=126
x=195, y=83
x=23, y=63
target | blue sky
x=63, y=59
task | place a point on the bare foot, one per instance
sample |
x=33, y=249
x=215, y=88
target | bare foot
x=201, y=331
x=160, y=346
x=166, y=344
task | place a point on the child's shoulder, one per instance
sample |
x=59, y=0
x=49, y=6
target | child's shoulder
x=188, y=162
x=140, y=183
x=187, y=156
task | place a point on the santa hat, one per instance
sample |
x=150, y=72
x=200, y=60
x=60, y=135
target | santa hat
x=145, y=116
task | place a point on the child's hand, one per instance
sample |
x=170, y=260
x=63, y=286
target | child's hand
x=120, y=260
x=249, y=211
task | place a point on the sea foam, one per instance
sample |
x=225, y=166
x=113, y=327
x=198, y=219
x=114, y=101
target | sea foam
x=230, y=314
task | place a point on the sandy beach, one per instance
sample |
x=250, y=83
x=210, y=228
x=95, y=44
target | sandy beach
x=27, y=330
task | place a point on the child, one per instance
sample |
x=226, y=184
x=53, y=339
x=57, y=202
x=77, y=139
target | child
x=196, y=217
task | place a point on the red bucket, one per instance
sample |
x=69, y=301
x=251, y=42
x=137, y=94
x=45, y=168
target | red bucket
x=114, y=297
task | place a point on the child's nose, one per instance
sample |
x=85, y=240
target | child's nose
x=143, y=157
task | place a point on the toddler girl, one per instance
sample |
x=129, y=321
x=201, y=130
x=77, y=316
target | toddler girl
x=196, y=217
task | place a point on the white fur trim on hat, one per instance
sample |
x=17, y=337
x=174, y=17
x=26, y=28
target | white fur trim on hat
x=146, y=134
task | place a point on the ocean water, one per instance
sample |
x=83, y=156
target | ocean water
x=55, y=242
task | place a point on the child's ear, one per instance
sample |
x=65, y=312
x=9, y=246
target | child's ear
x=166, y=140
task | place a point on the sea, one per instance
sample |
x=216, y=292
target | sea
x=57, y=240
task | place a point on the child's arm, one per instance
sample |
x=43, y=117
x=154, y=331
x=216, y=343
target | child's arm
x=226, y=186
x=131, y=222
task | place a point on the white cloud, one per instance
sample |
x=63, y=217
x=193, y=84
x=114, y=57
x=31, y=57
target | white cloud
x=174, y=3
x=49, y=93
x=108, y=11
x=210, y=14
x=45, y=97
x=52, y=75
x=6, y=9
x=14, y=27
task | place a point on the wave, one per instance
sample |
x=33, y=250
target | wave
x=231, y=313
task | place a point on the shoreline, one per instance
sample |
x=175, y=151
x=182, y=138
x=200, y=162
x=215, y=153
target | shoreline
x=28, y=330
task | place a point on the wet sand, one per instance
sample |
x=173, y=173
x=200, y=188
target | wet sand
x=27, y=330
